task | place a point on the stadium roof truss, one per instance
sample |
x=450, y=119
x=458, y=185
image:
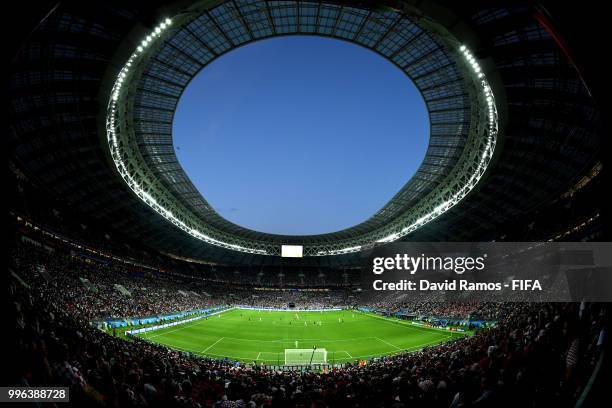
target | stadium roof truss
x=462, y=110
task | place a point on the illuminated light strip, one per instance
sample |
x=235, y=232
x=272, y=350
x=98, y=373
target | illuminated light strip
x=347, y=250
x=140, y=191
x=482, y=163
x=492, y=130
x=440, y=209
x=111, y=132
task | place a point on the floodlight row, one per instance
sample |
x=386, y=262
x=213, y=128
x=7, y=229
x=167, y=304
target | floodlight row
x=487, y=153
x=145, y=194
x=116, y=154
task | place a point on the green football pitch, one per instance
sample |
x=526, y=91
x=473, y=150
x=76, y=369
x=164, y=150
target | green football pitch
x=262, y=336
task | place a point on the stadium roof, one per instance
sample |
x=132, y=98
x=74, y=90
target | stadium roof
x=62, y=107
x=148, y=87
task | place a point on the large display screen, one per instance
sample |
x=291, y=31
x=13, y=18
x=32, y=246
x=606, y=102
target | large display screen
x=292, y=251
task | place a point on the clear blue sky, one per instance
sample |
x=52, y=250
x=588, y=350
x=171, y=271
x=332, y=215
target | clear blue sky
x=300, y=135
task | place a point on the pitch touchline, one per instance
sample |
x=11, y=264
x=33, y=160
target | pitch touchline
x=403, y=323
x=209, y=347
x=420, y=346
x=181, y=327
x=184, y=326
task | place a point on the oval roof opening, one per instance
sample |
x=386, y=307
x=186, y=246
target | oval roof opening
x=300, y=135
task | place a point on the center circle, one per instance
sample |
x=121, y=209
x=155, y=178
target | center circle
x=300, y=135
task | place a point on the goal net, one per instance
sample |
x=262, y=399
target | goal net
x=305, y=356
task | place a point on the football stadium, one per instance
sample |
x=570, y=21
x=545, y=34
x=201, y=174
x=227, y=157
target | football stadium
x=261, y=203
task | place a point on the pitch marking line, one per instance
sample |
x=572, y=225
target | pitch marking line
x=387, y=343
x=181, y=327
x=406, y=324
x=258, y=354
x=211, y=346
x=408, y=349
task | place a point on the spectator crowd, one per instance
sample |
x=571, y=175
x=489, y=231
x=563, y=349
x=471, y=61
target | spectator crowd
x=537, y=355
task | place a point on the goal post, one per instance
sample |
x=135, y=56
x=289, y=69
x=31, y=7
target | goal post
x=305, y=356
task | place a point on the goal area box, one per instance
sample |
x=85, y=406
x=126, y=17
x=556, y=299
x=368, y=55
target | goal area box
x=305, y=356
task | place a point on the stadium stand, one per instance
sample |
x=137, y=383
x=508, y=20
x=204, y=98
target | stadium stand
x=538, y=353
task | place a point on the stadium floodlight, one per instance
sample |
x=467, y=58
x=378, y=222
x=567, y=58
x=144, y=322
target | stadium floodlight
x=305, y=356
x=292, y=251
